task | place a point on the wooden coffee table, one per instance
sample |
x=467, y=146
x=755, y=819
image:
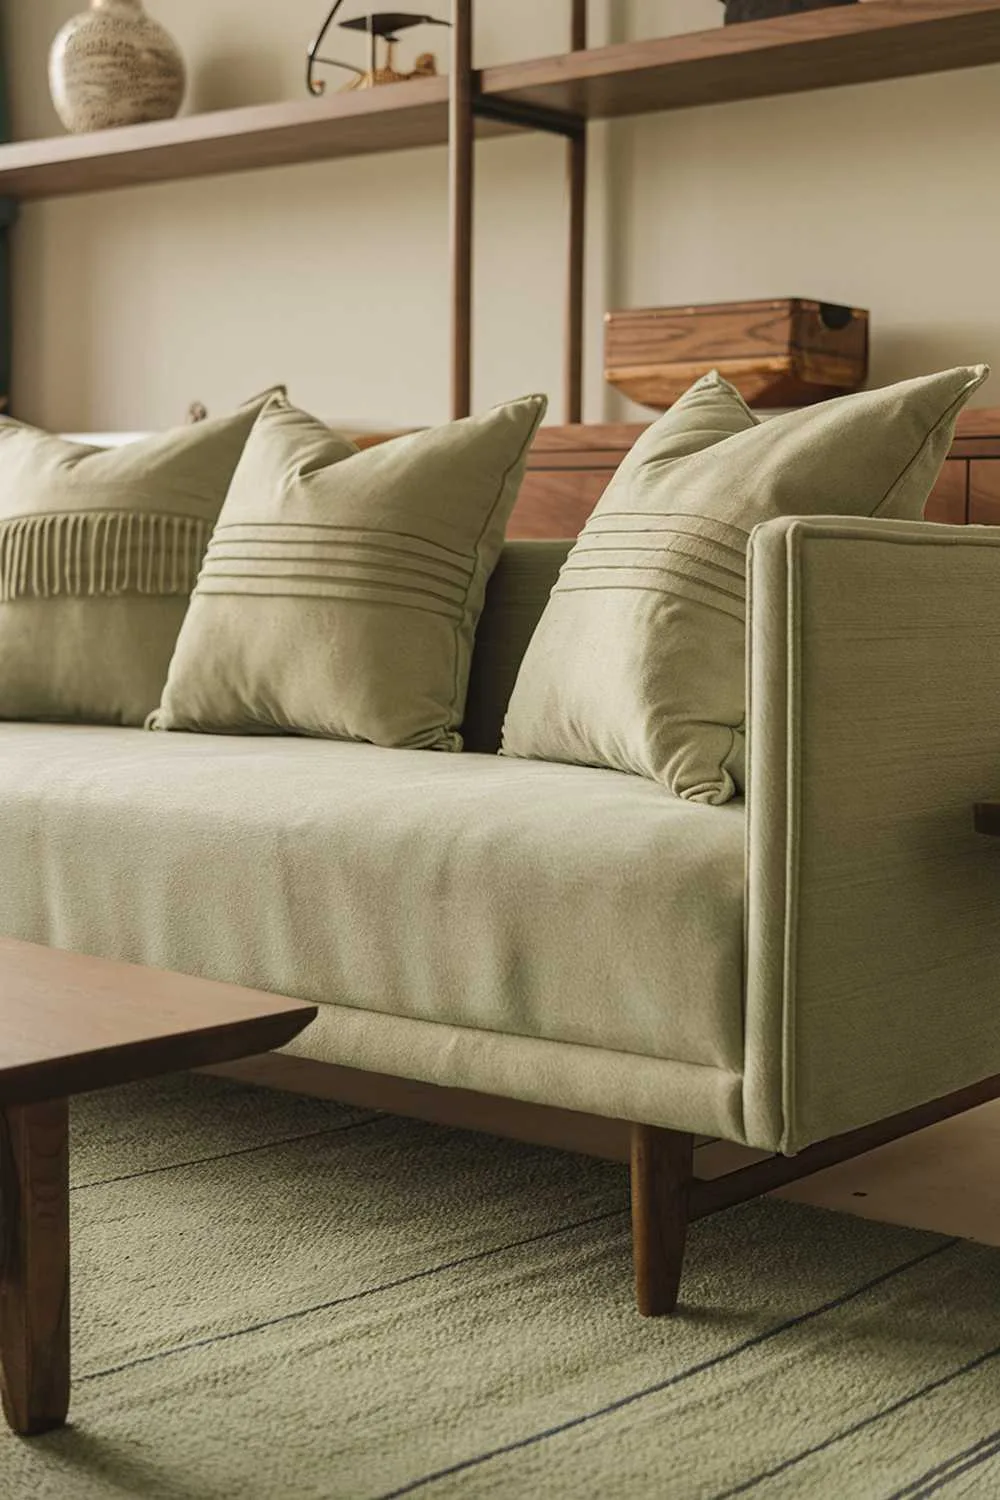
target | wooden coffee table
x=69, y=1024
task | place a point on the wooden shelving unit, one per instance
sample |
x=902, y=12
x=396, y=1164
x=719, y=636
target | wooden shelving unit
x=362, y=123
x=816, y=49
x=813, y=50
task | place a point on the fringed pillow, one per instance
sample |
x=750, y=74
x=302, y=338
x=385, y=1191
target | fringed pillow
x=99, y=553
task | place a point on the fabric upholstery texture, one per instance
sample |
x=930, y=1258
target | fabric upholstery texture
x=99, y=552
x=515, y=598
x=639, y=662
x=597, y=1080
x=341, y=590
x=575, y=936
x=544, y=904
x=873, y=941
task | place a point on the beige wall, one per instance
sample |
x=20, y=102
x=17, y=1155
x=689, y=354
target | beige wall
x=882, y=196
x=333, y=277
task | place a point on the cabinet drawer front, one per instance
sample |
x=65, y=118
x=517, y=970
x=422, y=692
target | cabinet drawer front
x=556, y=503
x=984, y=492
x=949, y=498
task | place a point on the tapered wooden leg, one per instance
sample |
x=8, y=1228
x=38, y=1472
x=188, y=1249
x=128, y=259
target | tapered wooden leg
x=34, y=1265
x=662, y=1167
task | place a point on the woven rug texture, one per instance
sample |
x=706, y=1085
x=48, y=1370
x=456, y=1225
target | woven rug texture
x=276, y=1298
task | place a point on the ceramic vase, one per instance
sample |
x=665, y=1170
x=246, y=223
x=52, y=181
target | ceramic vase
x=114, y=65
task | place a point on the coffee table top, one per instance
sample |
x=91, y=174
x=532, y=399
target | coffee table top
x=69, y=1023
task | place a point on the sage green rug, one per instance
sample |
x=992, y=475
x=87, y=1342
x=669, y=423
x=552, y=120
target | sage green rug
x=276, y=1297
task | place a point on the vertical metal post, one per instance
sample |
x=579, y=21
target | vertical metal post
x=461, y=132
x=577, y=171
x=372, y=50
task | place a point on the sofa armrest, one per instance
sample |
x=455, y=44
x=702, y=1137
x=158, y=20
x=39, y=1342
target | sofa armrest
x=873, y=909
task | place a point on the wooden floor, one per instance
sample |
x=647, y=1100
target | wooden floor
x=945, y=1178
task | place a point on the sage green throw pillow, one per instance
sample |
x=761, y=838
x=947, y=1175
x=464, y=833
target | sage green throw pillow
x=638, y=662
x=99, y=552
x=341, y=589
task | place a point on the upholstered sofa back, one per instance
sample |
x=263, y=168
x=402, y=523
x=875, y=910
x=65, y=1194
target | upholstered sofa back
x=515, y=599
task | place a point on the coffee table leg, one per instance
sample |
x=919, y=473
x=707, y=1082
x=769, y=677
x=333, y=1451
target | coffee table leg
x=34, y=1265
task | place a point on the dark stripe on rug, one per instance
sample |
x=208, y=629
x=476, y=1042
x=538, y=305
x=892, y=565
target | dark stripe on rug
x=876, y=1417
x=198, y=1161
x=287, y=1140
x=372, y=1291
x=672, y=1380
x=942, y=1474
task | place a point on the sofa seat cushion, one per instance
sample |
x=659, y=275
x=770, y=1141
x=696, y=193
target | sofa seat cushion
x=539, y=900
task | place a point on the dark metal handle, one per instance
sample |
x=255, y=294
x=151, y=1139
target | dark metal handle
x=834, y=317
x=317, y=85
x=380, y=25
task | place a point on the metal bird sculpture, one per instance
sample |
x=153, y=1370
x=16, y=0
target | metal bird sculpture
x=383, y=25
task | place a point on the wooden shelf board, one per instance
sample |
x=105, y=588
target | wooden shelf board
x=401, y=117
x=586, y=444
x=814, y=49
x=810, y=50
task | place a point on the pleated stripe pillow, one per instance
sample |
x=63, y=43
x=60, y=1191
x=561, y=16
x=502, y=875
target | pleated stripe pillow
x=638, y=662
x=341, y=589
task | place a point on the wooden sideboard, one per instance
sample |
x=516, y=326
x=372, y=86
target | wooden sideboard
x=569, y=469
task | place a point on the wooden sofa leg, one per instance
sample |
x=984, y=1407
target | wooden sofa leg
x=662, y=1166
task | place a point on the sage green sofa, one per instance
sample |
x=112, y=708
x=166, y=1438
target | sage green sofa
x=775, y=973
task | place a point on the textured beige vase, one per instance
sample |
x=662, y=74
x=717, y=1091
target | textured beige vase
x=115, y=65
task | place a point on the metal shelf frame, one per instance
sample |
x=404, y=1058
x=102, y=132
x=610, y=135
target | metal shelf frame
x=467, y=104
